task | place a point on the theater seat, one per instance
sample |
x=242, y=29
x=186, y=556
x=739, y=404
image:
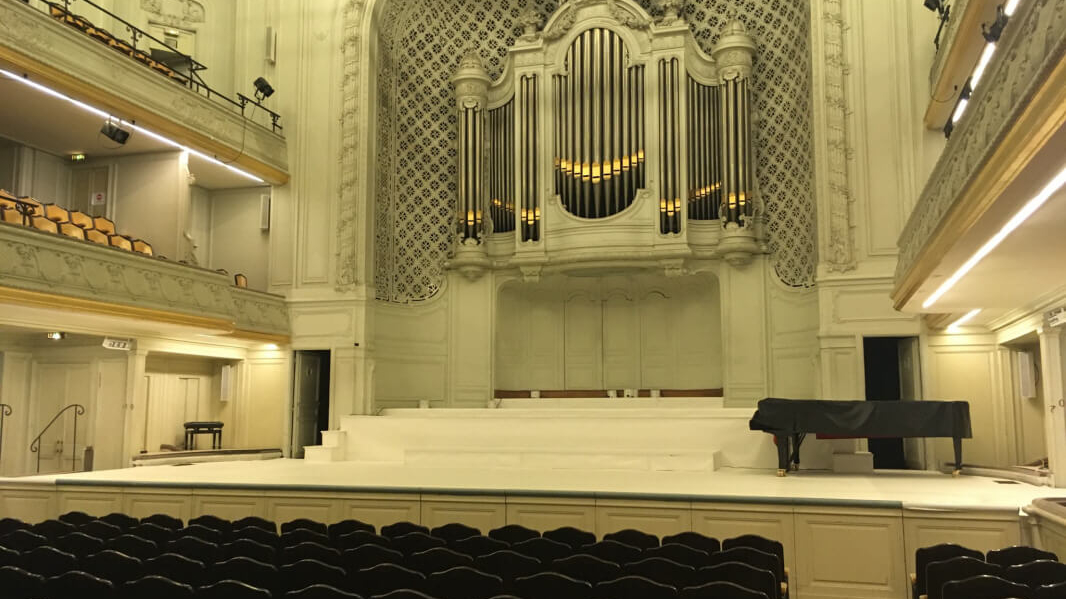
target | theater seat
x=97, y=237
x=43, y=224
x=56, y=213
x=35, y=208
x=81, y=219
x=120, y=242
x=72, y=230
x=10, y=215
x=104, y=225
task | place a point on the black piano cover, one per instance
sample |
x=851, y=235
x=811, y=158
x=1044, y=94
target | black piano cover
x=864, y=418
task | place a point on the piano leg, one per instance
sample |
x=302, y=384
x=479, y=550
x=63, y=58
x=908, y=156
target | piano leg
x=783, y=454
x=957, y=442
x=797, y=440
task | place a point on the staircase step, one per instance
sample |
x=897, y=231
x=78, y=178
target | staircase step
x=324, y=453
x=334, y=438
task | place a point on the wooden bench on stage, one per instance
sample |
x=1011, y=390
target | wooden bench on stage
x=213, y=428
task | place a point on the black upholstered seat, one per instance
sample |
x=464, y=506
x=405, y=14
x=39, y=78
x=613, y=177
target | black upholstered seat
x=568, y=535
x=985, y=587
x=694, y=540
x=248, y=548
x=414, y=542
x=542, y=548
x=155, y=587
x=80, y=585
x=551, y=585
x=634, y=587
x=47, y=561
x=513, y=533
x=635, y=538
x=679, y=553
x=463, y=582
x=304, y=524
x=383, y=578
x=232, y=589
x=478, y=545
x=100, y=529
x=454, y=531
x=437, y=559
x=745, y=575
x=134, y=546
x=957, y=568
x=77, y=518
x=244, y=569
x=338, y=529
x=663, y=571
x=112, y=565
x=720, y=590
x=309, y=550
x=1019, y=554
x=366, y=556
x=358, y=538
x=508, y=564
x=1038, y=573
x=589, y=568
x=307, y=572
x=255, y=522
x=176, y=567
x=398, y=529
x=164, y=520
x=20, y=584
x=79, y=544
x=613, y=551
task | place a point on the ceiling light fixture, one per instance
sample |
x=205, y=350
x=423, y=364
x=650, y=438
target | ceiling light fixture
x=56, y=335
x=956, y=326
x=1019, y=217
x=137, y=128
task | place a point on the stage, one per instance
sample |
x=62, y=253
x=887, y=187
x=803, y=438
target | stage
x=894, y=489
x=844, y=535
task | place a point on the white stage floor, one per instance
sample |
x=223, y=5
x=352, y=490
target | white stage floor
x=882, y=489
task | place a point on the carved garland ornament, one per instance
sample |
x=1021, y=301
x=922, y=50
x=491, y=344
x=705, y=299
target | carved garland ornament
x=348, y=217
x=841, y=255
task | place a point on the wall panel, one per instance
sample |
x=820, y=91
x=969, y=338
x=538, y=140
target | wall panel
x=657, y=519
x=858, y=554
x=483, y=513
x=549, y=513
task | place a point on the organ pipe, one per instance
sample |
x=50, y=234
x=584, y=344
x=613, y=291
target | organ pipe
x=530, y=213
x=471, y=84
x=704, y=183
x=734, y=54
x=501, y=169
x=598, y=106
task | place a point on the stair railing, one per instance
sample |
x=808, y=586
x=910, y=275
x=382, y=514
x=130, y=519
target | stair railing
x=35, y=446
x=5, y=411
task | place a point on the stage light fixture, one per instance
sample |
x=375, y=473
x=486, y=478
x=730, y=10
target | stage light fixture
x=933, y=5
x=115, y=133
x=993, y=31
x=56, y=335
x=262, y=89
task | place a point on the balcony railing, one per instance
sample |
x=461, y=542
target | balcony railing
x=178, y=66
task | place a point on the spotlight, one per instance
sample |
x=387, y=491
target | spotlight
x=934, y=5
x=993, y=31
x=56, y=336
x=115, y=133
x=262, y=89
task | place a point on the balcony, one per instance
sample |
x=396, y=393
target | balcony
x=985, y=233
x=65, y=59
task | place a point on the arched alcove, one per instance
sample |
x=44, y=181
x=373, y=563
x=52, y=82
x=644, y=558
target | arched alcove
x=636, y=331
x=415, y=47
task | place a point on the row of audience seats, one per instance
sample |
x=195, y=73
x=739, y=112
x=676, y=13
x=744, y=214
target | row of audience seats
x=61, y=14
x=161, y=557
x=949, y=571
x=55, y=219
x=51, y=218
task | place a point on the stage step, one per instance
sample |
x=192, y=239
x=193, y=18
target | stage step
x=493, y=457
x=334, y=448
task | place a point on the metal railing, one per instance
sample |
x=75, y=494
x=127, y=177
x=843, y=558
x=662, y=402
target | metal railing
x=192, y=80
x=35, y=445
x=5, y=411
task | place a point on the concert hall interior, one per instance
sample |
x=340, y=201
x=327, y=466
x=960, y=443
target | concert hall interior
x=547, y=263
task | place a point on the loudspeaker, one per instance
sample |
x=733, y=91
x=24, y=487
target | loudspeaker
x=264, y=212
x=225, y=383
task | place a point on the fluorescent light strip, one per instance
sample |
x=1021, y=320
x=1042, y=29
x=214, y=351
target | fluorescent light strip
x=1011, y=6
x=1020, y=217
x=100, y=113
x=982, y=64
x=961, y=108
x=954, y=327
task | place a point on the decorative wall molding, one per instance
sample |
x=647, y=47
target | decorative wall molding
x=348, y=272
x=1031, y=48
x=176, y=13
x=834, y=150
x=93, y=277
x=75, y=64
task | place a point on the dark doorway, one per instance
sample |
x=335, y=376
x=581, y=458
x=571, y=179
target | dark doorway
x=883, y=383
x=310, y=399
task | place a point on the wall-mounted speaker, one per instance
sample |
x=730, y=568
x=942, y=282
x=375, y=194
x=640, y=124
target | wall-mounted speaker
x=225, y=378
x=264, y=212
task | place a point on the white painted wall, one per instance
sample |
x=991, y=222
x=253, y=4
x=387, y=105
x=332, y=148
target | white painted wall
x=611, y=333
x=27, y=171
x=152, y=201
x=237, y=243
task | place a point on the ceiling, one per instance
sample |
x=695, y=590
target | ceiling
x=36, y=119
x=1026, y=270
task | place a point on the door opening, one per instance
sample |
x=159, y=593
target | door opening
x=891, y=370
x=310, y=399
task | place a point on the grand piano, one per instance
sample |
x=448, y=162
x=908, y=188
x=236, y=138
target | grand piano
x=791, y=420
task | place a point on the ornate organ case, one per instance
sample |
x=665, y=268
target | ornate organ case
x=611, y=140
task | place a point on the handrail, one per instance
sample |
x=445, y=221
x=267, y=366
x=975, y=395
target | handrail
x=193, y=80
x=5, y=410
x=35, y=445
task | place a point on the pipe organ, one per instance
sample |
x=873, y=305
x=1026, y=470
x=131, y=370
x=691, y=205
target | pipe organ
x=608, y=137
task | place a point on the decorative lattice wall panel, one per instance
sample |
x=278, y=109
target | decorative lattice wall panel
x=421, y=42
